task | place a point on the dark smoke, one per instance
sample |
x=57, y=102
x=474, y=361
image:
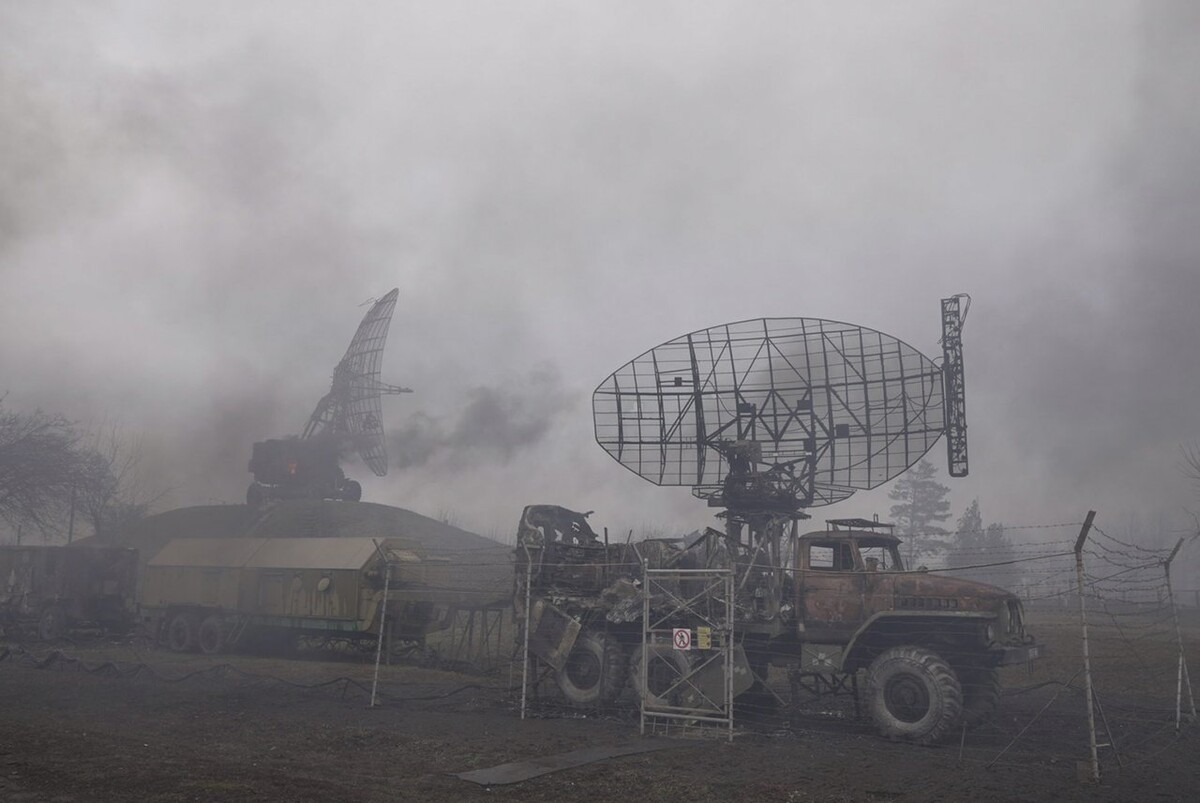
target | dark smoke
x=493, y=426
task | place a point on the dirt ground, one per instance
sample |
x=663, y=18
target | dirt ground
x=198, y=728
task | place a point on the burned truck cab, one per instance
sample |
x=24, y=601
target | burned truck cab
x=852, y=587
x=930, y=645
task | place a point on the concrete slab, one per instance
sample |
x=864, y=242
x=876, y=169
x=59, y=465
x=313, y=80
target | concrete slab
x=517, y=771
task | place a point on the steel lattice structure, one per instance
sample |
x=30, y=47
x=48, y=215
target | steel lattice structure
x=819, y=407
x=352, y=408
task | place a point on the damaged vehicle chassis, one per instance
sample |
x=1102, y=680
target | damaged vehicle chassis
x=836, y=608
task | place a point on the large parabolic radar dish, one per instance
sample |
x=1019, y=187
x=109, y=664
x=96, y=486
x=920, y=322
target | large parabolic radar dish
x=352, y=408
x=830, y=406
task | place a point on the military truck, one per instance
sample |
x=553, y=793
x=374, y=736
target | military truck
x=215, y=594
x=52, y=590
x=834, y=604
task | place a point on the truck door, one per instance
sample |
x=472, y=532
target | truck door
x=830, y=589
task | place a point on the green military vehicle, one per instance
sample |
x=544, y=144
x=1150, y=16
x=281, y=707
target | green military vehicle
x=213, y=594
x=53, y=590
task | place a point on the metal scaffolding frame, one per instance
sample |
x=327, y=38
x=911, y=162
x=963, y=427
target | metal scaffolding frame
x=689, y=601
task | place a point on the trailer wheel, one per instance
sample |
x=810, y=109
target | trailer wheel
x=594, y=671
x=914, y=695
x=211, y=635
x=181, y=633
x=667, y=667
x=53, y=623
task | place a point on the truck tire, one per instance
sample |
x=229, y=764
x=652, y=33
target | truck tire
x=914, y=695
x=981, y=693
x=352, y=491
x=594, y=671
x=255, y=495
x=211, y=635
x=181, y=632
x=667, y=666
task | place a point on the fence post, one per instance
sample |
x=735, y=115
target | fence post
x=1181, y=672
x=1087, y=661
x=387, y=588
x=525, y=651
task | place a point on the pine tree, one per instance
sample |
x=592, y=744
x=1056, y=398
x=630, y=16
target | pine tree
x=968, y=537
x=999, y=550
x=922, y=504
x=977, y=545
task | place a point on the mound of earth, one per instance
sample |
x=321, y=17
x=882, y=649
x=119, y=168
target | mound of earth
x=464, y=561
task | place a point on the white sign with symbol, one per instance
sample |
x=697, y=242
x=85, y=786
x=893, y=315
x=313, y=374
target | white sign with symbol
x=682, y=638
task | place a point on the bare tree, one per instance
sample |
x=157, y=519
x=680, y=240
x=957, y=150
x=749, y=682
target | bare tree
x=1191, y=462
x=39, y=466
x=48, y=467
x=112, y=492
x=1191, y=469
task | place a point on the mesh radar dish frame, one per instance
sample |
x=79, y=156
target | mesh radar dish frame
x=348, y=417
x=352, y=409
x=770, y=416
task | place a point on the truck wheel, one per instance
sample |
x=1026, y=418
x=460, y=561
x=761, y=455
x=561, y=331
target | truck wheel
x=594, y=671
x=981, y=693
x=914, y=695
x=667, y=666
x=254, y=495
x=53, y=623
x=181, y=633
x=211, y=635
x=352, y=491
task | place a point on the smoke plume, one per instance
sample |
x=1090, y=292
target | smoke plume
x=493, y=425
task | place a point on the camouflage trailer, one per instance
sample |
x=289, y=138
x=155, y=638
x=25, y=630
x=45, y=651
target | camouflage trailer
x=210, y=594
x=832, y=605
x=52, y=590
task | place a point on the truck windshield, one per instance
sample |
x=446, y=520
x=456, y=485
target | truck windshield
x=880, y=557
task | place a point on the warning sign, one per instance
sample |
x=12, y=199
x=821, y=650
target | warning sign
x=704, y=638
x=682, y=638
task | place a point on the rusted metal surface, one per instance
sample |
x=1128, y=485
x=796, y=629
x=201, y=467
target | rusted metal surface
x=552, y=633
x=830, y=601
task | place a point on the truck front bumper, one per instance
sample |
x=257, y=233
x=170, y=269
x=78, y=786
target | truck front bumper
x=1007, y=656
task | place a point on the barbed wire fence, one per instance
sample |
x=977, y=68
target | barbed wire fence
x=1142, y=636
x=1112, y=687
x=1129, y=695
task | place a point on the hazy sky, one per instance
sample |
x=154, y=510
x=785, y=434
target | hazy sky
x=196, y=198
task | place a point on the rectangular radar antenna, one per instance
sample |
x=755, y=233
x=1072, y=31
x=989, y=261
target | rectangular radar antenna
x=954, y=381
